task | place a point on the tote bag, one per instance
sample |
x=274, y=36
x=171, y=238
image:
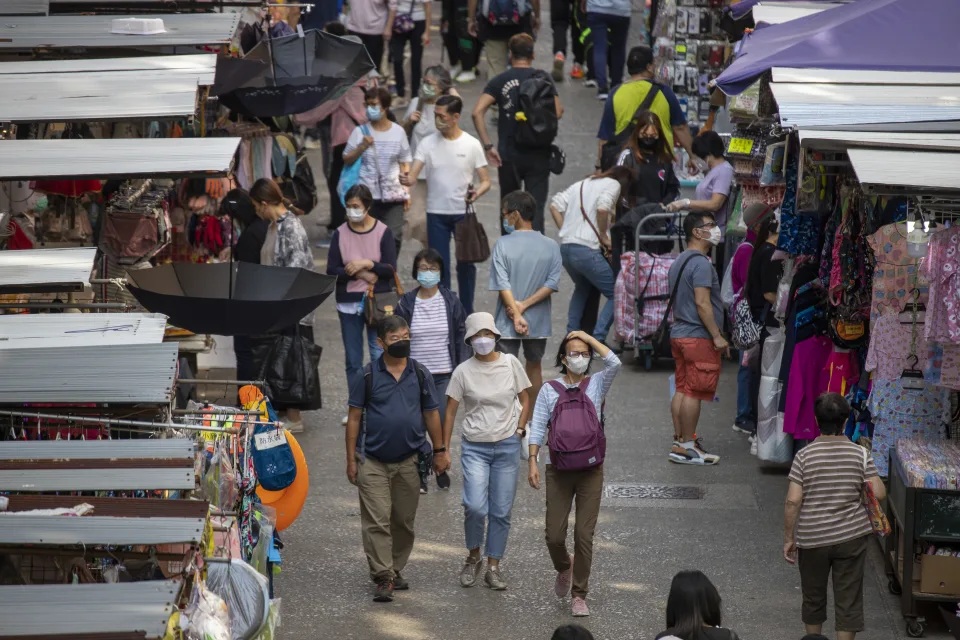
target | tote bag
x=351, y=172
x=471, y=238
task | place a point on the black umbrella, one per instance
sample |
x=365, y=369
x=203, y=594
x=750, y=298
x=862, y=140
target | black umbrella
x=290, y=74
x=230, y=299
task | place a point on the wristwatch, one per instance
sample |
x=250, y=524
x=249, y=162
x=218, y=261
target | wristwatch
x=487, y=147
x=440, y=450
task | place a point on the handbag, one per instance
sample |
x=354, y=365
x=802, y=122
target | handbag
x=403, y=22
x=470, y=238
x=876, y=515
x=661, y=337
x=604, y=248
x=377, y=306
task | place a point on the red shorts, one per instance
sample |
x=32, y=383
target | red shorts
x=697, y=365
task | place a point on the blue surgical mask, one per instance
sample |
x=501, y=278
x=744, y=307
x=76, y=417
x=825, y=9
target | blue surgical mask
x=428, y=279
x=507, y=227
x=374, y=113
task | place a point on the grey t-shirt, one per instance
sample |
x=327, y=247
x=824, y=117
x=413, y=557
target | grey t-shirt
x=698, y=273
x=522, y=262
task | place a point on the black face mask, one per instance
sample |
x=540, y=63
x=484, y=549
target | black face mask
x=648, y=144
x=399, y=349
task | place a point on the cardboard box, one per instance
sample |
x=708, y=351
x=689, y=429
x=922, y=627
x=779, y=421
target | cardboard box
x=940, y=574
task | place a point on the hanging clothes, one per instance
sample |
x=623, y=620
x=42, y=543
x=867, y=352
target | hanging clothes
x=896, y=273
x=892, y=345
x=905, y=413
x=941, y=268
x=806, y=383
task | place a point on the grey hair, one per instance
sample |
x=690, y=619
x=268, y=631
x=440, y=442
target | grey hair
x=442, y=75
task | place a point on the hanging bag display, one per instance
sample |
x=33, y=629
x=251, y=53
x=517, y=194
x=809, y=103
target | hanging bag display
x=470, y=238
x=377, y=306
x=272, y=457
x=878, y=518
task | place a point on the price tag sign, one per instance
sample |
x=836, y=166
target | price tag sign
x=740, y=146
x=270, y=439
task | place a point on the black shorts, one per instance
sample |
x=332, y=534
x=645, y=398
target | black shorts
x=533, y=348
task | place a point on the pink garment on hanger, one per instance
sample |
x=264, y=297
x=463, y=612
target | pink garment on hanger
x=842, y=371
x=896, y=274
x=941, y=268
x=889, y=351
x=950, y=367
x=807, y=381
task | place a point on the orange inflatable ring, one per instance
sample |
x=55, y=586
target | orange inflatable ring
x=289, y=502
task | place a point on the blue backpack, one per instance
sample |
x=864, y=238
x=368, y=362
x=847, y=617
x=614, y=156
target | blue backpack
x=503, y=12
x=351, y=172
x=272, y=457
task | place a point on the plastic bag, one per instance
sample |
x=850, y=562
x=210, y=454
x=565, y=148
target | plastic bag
x=289, y=369
x=273, y=622
x=247, y=594
x=773, y=445
x=207, y=617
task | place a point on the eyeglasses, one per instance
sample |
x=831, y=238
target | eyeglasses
x=574, y=354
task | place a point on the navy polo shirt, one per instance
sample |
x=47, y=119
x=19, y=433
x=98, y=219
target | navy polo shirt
x=394, y=424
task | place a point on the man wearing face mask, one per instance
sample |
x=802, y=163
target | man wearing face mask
x=395, y=401
x=452, y=159
x=695, y=338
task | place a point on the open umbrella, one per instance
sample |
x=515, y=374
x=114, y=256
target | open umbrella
x=290, y=74
x=231, y=299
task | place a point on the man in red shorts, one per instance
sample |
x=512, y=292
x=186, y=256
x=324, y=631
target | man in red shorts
x=695, y=338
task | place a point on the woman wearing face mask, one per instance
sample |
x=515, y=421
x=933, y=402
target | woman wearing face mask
x=436, y=320
x=649, y=156
x=384, y=154
x=714, y=190
x=493, y=389
x=586, y=486
x=362, y=252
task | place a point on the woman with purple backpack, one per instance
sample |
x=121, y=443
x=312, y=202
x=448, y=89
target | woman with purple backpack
x=568, y=415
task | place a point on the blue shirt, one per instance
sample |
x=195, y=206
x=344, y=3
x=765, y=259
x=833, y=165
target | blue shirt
x=394, y=428
x=522, y=262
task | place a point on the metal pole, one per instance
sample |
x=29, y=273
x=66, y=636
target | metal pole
x=63, y=305
x=195, y=412
x=226, y=383
x=120, y=422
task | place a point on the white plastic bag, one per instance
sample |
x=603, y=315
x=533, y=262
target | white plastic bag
x=773, y=445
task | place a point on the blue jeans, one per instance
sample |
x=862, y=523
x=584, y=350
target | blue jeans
x=351, y=328
x=490, y=472
x=608, y=32
x=440, y=228
x=746, y=417
x=587, y=267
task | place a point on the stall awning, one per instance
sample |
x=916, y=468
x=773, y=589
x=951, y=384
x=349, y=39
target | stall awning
x=825, y=140
x=44, y=270
x=903, y=168
x=187, y=29
x=24, y=7
x=91, y=158
x=847, y=76
x=80, y=329
x=203, y=66
x=778, y=12
x=831, y=106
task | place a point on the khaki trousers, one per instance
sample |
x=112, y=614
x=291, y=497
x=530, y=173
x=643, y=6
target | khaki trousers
x=497, y=58
x=562, y=488
x=389, y=495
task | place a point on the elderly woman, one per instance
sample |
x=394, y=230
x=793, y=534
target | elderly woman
x=826, y=528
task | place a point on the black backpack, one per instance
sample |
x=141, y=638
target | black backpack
x=612, y=148
x=503, y=12
x=536, y=100
x=301, y=188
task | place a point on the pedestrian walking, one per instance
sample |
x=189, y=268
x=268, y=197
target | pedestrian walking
x=567, y=18
x=463, y=49
x=609, y=24
x=567, y=407
x=393, y=407
x=624, y=105
x=695, y=338
x=583, y=212
x=368, y=20
x=437, y=325
x=525, y=271
x=494, y=391
x=495, y=22
x=384, y=151
x=693, y=610
x=286, y=245
x=650, y=159
x=825, y=527
x=362, y=254
x=453, y=161
x=713, y=192
x=520, y=166
x=407, y=23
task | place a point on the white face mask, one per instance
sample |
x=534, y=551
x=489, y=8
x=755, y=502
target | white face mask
x=578, y=364
x=716, y=235
x=483, y=346
x=355, y=215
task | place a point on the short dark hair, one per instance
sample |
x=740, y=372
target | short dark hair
x=452, y=104
x=639, y=58
x=693, y=603
x=708, y=143
x=521, y=202
x=562, y=352
x=362, y=193
x=429, y=255
x=571, y=632
x=380, y=94
x=521, y=46
x=695, y=220
x=831, y=411
x=335, y=28
x=389, y=324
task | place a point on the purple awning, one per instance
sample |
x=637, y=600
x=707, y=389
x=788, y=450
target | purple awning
x=883, y=35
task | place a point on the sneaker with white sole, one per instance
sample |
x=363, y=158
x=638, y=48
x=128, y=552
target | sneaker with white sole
x=590, y=83
x=558, y=61
x=400, y=103
x=579, y=608
x=564, y=580
x=740, y=429
x=753, y=447
x=494, y=579
x=692, y=452
x=602, y=96
x=466, y=76
x=470, y=572
x=294, y=427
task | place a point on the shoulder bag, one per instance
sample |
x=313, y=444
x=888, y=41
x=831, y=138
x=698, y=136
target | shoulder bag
x=604, y=248
x=403, y=22
x=470, y=238
x=876, y=515
x=661, y=337
x=377, y=306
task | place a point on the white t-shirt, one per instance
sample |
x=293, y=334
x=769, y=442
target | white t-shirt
x=430, y=334
x=380, y=170
x=425, y=127
x=451, y=166
x=488, y=392
x=599, y=194
x=413, y=8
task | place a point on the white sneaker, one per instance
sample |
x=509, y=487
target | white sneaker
x=740, y=429
x=455, y=71
x=590, y=83
x=400, y=103
x=466, y=76
x=294, y=427
x=693, y=453
x=753, y=447
x=602, y=96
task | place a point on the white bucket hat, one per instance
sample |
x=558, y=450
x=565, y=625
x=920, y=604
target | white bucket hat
x=477, y=322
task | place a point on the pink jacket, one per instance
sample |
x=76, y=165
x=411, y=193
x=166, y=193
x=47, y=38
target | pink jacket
x=345, y=113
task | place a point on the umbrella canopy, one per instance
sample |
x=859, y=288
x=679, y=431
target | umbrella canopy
x=883, y=35
x=230, y=299
x=291, y=74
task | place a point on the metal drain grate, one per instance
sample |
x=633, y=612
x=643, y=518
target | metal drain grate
x=652, y=492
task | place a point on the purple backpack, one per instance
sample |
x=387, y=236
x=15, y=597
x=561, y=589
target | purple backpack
x=576, y=439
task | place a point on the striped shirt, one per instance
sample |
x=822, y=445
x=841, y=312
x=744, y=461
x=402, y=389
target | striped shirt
x=832, y=473
x=430, y=334
x=380, y=164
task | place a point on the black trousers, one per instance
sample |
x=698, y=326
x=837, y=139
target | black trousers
x=462, y=48
x=374, y=45
x=565, y=15
x=531, y=173
x=338, y=215
x=397, y=44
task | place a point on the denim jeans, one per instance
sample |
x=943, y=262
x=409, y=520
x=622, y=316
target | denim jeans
x=587, y=267
x=352, y=327
x=440, y=228
x=490, y=472
x=609, y=33
x=746, y=418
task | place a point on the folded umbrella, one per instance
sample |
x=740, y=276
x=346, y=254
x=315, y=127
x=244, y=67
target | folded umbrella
x=290, y=74
x=230, y=299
